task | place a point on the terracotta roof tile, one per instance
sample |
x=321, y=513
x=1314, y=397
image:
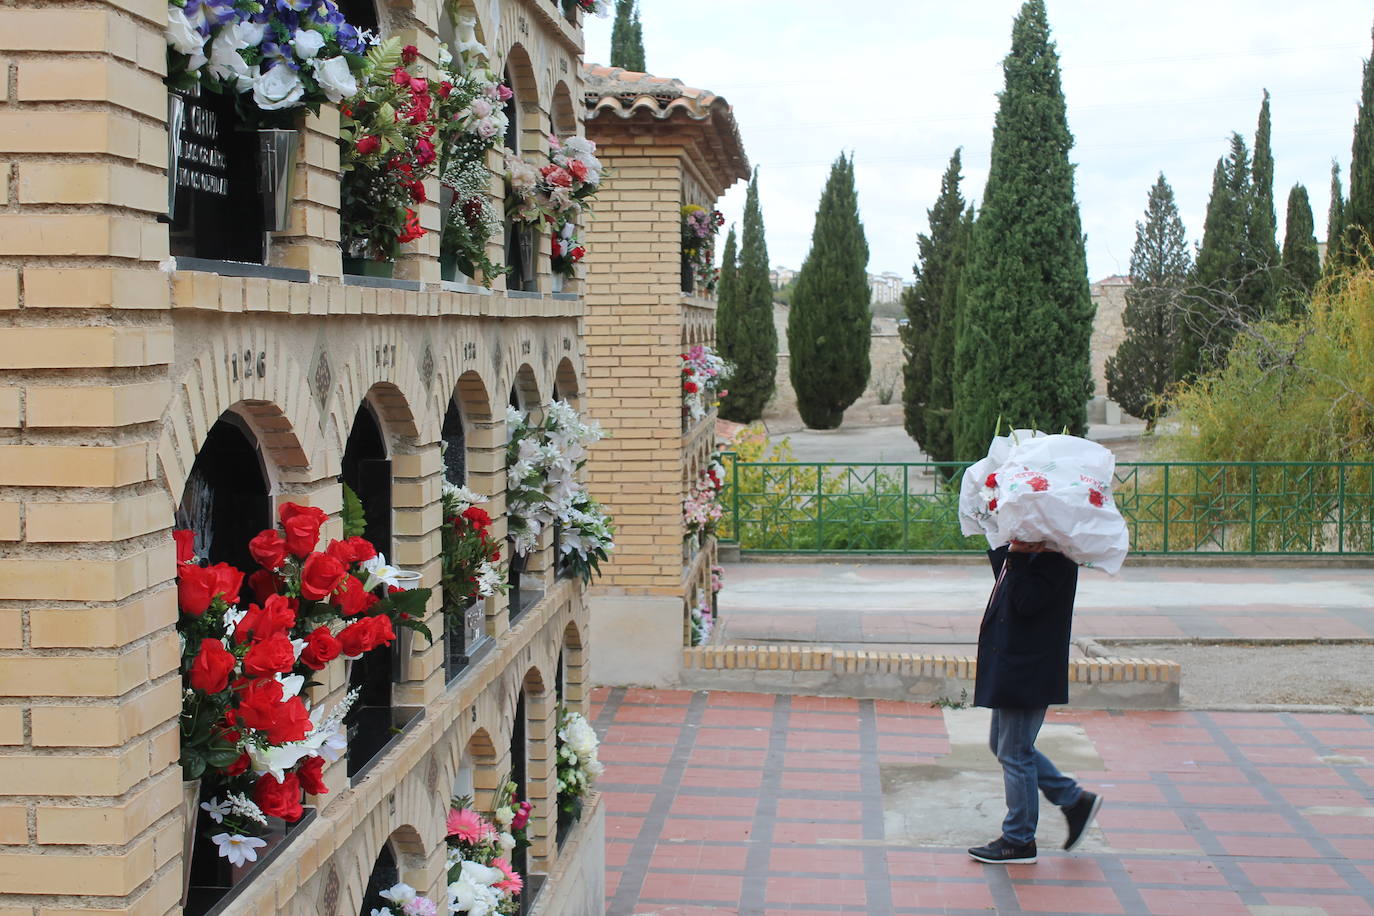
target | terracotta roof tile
x=626, y=94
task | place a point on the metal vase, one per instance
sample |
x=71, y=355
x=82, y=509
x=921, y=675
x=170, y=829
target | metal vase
x=276, y=172
x=176, y=117
x=526, y=237
x=190, y=807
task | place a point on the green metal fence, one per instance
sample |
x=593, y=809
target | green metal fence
x=1171, y=508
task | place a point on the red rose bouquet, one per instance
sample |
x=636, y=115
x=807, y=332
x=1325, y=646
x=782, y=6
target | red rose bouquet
x=251, y=646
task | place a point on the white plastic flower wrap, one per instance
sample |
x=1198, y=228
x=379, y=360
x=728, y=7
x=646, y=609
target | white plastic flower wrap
x=978, y=489
x=1058, y=489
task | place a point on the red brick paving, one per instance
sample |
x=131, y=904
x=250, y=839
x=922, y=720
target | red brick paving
x=771, y=806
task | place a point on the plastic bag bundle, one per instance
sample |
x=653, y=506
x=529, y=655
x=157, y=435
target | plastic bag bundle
x=978, y=489
x=1056, y=489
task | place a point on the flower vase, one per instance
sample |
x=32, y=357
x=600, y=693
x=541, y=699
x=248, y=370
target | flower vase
x=190, y=807
x=367, y=267
x=276, y=171
x=688, y=274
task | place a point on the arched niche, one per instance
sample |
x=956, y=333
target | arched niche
x=227, y=496
x=566, y=387
x=361, y=14
x=524, y=392
x=475, y=776
x=524, y=398
x=523, y=126
x=400, y=857
x=468, y=406
x=383, y=418
x=562, y=112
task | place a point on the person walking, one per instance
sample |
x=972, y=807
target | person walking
x=1023, y=668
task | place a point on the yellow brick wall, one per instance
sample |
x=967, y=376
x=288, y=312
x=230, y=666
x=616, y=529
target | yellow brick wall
x=112, y=370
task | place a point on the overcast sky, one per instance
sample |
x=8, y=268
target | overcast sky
x=1151, y=86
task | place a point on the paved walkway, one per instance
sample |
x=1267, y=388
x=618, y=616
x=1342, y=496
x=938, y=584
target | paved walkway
x=850, y=604
x=723, y=803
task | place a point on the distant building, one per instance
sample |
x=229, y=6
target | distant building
x=1109, y=296
x=886, y=288
x=781, y=276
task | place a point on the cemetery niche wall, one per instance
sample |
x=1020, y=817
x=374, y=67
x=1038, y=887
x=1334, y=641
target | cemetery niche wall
x=193, y=357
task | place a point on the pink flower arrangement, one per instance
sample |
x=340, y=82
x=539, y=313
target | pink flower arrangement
x=468, y=826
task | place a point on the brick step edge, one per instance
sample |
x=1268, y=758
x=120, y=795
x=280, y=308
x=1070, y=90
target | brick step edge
x=907, y=664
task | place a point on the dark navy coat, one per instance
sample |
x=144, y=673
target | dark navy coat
x=1023, y=644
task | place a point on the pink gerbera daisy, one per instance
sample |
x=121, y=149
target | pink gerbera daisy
x=513, y=882
x=467, y=825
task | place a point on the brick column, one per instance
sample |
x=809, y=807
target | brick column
x=89, y=690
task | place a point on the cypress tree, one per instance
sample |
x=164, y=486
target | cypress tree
x=1024, y=337
x=931, y=308
x=1141, y=370
x=830, y=324
x=1261, y=286
x=1359, y=209
x=1301, y=266
x=725, y=298
x=627, y=37
x=1221, y=269
x=1335, y=221
x=754, y=344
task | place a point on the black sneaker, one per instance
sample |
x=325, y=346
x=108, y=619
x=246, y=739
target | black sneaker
x=1000, y=852
x=1080, y=814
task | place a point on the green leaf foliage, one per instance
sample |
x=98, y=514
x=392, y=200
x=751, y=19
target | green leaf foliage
x=931, y=307
x=1023, y=343
x=1359, y=209
x=1335, y=222
x=829, y=326
x=627, y=37
x=353, y=515
x=753, y=346
x=1142, y=369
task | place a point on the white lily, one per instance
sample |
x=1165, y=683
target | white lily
x=379, y=572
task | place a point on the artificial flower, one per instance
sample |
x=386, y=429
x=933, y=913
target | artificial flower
x=278, y=88
x=279, y=797
x=238, y=849
x=212, y=666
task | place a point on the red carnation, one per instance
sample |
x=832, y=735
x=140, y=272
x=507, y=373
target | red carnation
x=690, y=387
x=577, y=253
x=417, y=191
x=1038, y=484
x=367, y=145
x=279, y=799
x=186, y=545
x=991, y=481
x=210, y=671
x=992, y=505
x=477, y=516
x=556, y=176
x=400, y=77
x=445, y=89
x=409, y=54
x=321, y=648
x=311, y=775
x=273, y=655
x=268, y=549
x=577, y=169
x=1095, y=497
x=320, y=576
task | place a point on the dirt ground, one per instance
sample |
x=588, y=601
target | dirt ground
x=1238, y=675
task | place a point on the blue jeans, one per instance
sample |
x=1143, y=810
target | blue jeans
x=1024, y=771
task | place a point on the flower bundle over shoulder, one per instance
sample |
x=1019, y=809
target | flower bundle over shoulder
x=470, y=554
x=542, y=462
x=472, y=120
x=578, y=766
x=699, y=229
x=244, y=724
x=271, y=57
x=386, y=136
x=704, y=375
